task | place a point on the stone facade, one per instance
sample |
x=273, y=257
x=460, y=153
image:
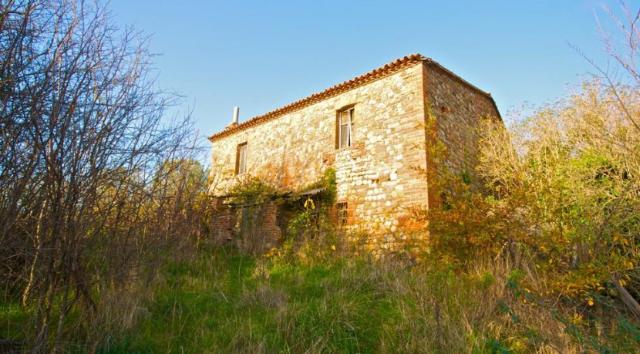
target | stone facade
x=381, y=176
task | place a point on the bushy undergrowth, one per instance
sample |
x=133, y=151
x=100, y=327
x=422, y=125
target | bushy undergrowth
x=562, y=200
x=534, y=260
x=223, y=301
x=106, y=217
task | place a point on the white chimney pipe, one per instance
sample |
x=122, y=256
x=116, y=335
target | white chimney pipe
x=236, y=114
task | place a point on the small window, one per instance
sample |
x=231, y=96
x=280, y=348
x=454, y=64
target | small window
x=344, y=127
x=342, y=213
x=241, y=159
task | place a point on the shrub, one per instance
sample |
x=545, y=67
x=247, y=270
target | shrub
x=565, y=198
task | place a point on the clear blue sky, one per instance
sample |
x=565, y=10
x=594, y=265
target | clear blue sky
x=260, y=55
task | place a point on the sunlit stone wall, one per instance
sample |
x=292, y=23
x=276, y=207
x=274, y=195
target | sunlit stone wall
x=382, y=175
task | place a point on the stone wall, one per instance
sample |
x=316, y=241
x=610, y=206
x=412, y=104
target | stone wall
x=457, y=109
x=380, y=176
x=383, y=175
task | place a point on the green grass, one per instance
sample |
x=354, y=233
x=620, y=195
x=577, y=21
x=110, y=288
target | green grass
x=220, y=301
x=12, y=319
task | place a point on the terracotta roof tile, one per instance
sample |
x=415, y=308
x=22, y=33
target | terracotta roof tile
x=383, y=71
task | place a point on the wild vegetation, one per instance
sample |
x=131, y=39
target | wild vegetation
x=105, y=222
x=224, y=301
x=96, y=185
x=537, y=255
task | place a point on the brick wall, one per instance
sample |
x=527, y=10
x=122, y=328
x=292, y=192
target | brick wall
x=252, y=228
x=222, y=223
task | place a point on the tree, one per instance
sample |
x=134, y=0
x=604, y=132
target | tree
x=82, y=133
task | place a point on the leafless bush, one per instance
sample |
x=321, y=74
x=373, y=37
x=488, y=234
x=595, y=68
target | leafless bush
x=94, y=183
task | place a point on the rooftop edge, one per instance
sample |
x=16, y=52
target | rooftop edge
x=375, y=74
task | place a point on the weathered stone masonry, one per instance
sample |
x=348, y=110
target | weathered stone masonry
x=381, y=175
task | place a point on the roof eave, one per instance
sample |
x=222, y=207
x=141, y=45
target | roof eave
x=358, y=81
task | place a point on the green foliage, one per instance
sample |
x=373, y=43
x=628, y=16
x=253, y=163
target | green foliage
x=328, y=185
x=301, y=221
x=310, y=218
x=13, y=318
x=255, y=191
x=222, y=301
x=563, y=198
x=252, y=191
x=217, y=303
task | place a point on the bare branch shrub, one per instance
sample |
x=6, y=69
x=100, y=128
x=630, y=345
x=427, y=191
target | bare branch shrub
x=95, y=184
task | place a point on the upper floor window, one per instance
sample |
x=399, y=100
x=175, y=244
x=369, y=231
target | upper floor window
x=344, y=126
x=241, y=159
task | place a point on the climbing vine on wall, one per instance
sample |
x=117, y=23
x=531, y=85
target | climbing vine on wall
x=252, y=191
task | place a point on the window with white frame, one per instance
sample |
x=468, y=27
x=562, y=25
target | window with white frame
x=344, y=127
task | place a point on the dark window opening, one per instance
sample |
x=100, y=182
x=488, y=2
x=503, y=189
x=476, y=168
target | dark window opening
x=342, y=213
x=241, y=159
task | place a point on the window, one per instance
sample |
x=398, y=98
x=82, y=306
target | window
x=241, y=159
x=342, y=213
x=344, y=126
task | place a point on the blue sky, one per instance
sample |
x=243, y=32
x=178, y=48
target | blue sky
x=260, y=55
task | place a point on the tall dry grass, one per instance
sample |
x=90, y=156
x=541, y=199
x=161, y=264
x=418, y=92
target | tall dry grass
x=224, y=301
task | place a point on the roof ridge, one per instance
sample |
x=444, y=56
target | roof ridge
x=370, y=76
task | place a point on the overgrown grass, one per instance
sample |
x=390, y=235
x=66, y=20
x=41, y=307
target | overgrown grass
x=221, y=301
x=12, y=319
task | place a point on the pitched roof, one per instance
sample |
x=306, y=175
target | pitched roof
x=375, y=74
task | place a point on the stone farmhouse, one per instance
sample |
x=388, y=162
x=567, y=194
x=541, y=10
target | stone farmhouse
x=373, y=130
